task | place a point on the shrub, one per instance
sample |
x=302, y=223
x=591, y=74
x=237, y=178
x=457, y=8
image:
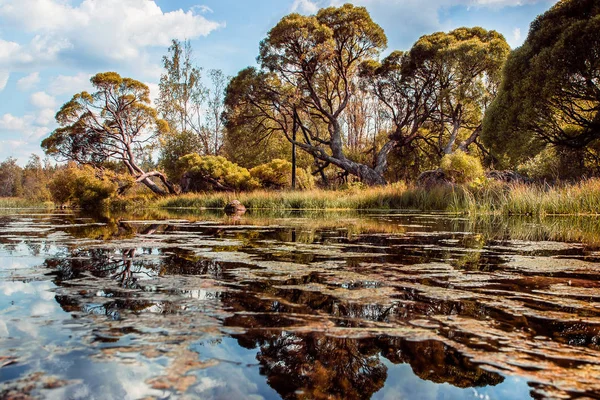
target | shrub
x=459, y=167
x=204, y=173
x=277, y=174
x=85, y=186
x=553, y=164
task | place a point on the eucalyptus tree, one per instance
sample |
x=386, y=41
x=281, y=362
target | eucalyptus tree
x=181, y=92
x=310, y=63
x=215, y=107
x=550, y=93
x=440, y=88
x=115, y=123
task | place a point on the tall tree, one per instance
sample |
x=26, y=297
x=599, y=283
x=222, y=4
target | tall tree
x=214, y=126
x=550, y=93
x=112, y=124
x=181, y=92
x=440, y=88
x=312, y=62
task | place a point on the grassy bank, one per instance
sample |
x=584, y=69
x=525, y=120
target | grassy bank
x=18, y=202
x=582, y=198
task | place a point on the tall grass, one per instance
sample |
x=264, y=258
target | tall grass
x=581, y=198
x=19, y=202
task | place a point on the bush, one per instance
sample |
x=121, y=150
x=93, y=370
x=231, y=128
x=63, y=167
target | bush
x=205, y=173
x=85, y=186
x=553, y=164
x=459, y=167
x=277, y=174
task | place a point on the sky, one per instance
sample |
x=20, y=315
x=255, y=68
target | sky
x=50, y=48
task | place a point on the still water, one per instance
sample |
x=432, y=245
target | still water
x=298, y=306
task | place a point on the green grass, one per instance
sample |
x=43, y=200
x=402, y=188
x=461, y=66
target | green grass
x=497, y=198
x=18, y=202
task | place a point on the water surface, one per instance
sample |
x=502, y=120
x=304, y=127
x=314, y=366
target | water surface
x=298, y=306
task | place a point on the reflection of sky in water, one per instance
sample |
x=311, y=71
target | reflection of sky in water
x=44, y=337
x=403, y=384
x=237, y=376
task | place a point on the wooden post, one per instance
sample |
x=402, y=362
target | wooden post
x=294, y=129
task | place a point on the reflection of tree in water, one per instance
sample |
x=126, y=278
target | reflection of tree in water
x=434, y=361
x=316, y=366
x=119, y=265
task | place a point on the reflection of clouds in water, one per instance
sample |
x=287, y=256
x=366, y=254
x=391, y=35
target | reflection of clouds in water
x=42, y=289
x=402, y=384
x=227, y=381
x=207, y=383
x=3, y=328
x=108, y=380
x=233, y=379
x=28, y=299
x=43, y=308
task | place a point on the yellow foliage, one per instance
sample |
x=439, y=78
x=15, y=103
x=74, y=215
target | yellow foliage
x=277, y=174
x=460, y=167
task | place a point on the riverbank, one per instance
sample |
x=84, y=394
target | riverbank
x=19, y=202
x=582, y=198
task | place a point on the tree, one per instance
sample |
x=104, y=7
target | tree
x=111, y=124
x=213, y=173
x=11, y=175
x=308, y=67
x=550, y=93
x=440, y=88
x=181, y=90
x=214, y=125
x=35, y=179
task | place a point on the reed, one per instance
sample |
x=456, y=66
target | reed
x=19, y=202
x=582, y=198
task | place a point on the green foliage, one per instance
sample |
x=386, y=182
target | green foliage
x=549, y=93
x=277, y=174
x=556, y=163
x=35, y=180
x=175, y=145
x=87, y=187
x=461, y=167
x=205, y=173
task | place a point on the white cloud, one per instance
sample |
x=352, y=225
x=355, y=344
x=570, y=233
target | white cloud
x=45, y=116
x=4, y=75
x=154, y=91
x=517, y=34
x=9, y=122
x=202, y=9
x=65, y=84
x=8, y=49
x=108, y=29
x=28, y=82
x=42, y=100
x=305, y=7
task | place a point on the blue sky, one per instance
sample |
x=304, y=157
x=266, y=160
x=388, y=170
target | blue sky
x=50, y=48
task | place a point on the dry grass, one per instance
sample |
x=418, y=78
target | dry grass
x=582, y=198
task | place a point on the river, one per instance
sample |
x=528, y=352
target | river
x=298, y=305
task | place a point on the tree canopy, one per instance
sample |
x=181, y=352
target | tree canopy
x=550, y=93
x=309, y=64
x=115, y=123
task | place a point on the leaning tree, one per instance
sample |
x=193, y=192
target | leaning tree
x=309, y=64
x=115, y=123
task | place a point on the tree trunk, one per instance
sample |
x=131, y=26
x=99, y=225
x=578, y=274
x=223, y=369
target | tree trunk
x=145, y=179
x=464, y=146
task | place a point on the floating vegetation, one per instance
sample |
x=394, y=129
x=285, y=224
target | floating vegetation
x=296, y=307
